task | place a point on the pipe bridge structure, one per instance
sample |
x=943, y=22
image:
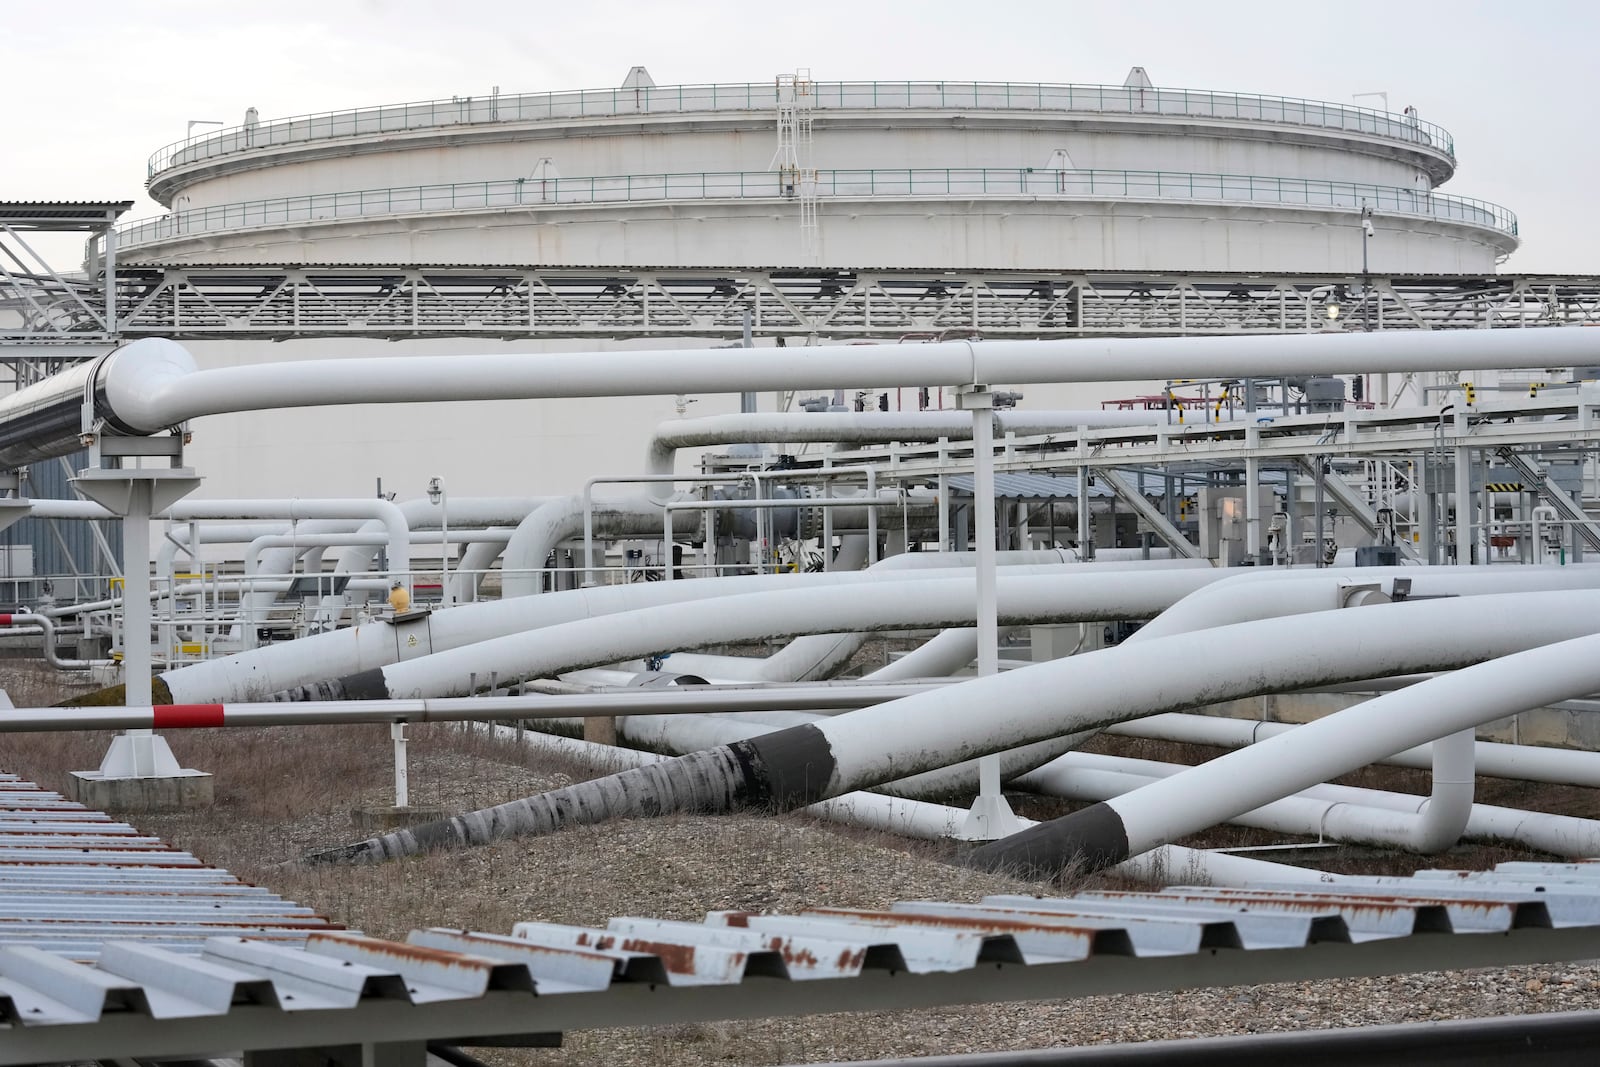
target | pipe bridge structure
x=399, y=301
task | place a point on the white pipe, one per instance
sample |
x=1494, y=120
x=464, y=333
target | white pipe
x=260, y=672
x=1239, y=781
x=798, y=766
x=560, y=519
x=1271, y=593
x=421, y=513
x=1559, y=835
x=806, y=658
x=784, y=612
x=152, y=383
x=46, y=626
x=1434, y=823
x=354, y=507
x=865, y=427
x=1084, y=776
x=944, y=654
x=1561, y=766
x=183, y=537
x=478, y=558
x=918, y=819
x=66, y=509
x=276, y=539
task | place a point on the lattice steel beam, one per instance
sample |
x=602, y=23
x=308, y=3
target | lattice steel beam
x=277, y=302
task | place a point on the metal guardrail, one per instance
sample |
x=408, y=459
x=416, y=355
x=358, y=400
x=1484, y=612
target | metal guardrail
x=826, y=96
x=770, y=185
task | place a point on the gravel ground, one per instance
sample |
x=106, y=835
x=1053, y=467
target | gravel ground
x=680, y=867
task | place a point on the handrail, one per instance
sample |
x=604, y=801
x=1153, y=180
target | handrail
x=745, y=185
x=826, y=96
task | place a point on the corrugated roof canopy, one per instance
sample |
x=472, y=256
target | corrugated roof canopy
x=62, y=214
x=1030, y=487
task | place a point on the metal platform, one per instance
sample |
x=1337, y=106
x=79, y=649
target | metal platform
x=151, y=990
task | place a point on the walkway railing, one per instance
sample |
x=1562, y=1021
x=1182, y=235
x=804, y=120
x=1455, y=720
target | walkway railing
x=826, y=96
x=853, y=184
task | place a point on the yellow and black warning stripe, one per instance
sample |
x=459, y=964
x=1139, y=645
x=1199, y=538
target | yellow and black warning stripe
x=1503, y=487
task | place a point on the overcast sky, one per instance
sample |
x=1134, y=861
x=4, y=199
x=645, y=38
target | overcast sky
x=95, y=87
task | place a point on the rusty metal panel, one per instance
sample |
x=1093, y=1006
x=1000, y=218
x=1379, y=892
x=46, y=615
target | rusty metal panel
x=681, y=961
x=1376, y=915
x=93, y=946
x=554, y=970
x=1115, y=937
x=1257, y=929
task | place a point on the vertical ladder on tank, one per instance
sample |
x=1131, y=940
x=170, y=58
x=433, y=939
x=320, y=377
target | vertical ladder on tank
x=797, y=174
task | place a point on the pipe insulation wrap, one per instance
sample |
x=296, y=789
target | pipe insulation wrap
x=935, y=821
x=804, y=764
x=1237, y=782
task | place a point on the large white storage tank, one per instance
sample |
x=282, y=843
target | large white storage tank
x=795, y=172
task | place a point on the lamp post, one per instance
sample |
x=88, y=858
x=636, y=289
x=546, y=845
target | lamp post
x=1366, y=235
x=437, y=495
x=1366, y=272
x=188, y=132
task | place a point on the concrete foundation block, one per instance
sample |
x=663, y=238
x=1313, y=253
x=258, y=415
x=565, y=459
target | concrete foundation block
x=170, y=792
x=382, y=819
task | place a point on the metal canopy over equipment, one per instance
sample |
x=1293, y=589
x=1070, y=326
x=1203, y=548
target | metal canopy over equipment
x=38, y=302
x=92, y=216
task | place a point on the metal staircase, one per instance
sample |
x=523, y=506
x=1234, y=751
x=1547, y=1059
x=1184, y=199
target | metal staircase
x=1534, y=477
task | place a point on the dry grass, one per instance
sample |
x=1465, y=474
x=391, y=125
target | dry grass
x=282, y=792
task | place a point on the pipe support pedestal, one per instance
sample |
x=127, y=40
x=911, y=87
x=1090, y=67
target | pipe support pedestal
x=139, y=770
x=990, y=818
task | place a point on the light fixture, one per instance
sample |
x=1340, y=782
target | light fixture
x=435, y=490
x=1332, y=308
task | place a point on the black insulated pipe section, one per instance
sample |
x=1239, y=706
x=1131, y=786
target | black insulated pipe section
x=363, y=685
x=1085, y=841
x=779, y=771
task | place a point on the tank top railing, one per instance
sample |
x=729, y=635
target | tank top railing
x=933, y=183
x=825, y=97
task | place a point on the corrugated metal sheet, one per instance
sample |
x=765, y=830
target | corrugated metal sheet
x=70, y=550
x=72, y=211
x=72, y=879
x=103, y=931
x=1030, y=487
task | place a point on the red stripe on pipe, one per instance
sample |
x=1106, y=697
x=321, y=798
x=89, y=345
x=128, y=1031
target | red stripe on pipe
x=5, y=619
x=179, y=716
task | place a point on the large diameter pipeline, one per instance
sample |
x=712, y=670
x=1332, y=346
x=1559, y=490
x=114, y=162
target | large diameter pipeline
x=164, y=389
x=45, y=420
x=1110, y=832
x=921, y=602
x=801, y=765
x=255, y=674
